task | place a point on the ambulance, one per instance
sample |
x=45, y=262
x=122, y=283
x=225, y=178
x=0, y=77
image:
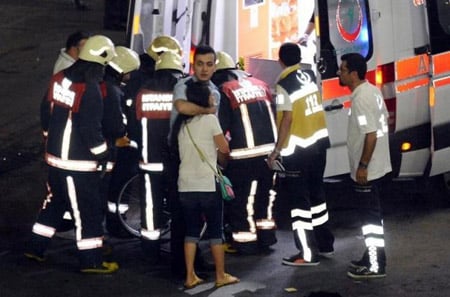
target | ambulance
x=406, y=44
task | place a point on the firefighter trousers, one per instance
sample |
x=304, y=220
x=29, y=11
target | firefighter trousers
x=79, y=192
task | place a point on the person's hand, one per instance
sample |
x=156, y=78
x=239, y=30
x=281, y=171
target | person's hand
x=102, y=163
x=361, y=176
x=303, y=39
x=122, y=141
x=210, y=110
x=272, y=157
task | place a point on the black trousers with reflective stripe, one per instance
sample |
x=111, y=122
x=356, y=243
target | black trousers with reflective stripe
x=306, y=192
x=242, y=173
x=79, y=192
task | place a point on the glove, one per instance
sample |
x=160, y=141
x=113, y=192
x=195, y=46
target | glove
x=102, y=163
x=122, y=141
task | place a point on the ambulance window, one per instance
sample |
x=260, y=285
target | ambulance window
x=439, y=25
x=345, y=28
x=444, y=15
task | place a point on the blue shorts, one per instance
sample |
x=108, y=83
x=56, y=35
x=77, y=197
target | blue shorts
x=199, y=207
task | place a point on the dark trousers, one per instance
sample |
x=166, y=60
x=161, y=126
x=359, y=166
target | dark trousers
x=368, y=199
x=309, y=213
x=248, y=209
x=79, y=192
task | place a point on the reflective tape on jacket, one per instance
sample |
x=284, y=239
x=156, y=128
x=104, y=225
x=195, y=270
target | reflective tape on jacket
x=75, y=165
x=251, y=152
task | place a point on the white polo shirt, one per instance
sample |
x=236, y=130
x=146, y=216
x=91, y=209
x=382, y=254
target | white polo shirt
x=368, y=113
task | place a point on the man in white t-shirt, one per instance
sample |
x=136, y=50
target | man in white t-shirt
x=368, y=149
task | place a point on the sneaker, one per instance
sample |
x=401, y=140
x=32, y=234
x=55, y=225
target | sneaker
x=34, y=257
x=105, y=268
x=363, y=272
x=297, y=260
x=355, y=264
x=326, y=253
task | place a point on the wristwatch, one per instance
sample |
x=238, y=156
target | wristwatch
x=362, y=165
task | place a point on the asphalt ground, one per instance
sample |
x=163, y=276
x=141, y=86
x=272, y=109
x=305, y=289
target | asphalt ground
x=31, y=33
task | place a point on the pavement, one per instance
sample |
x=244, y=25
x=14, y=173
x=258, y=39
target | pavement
x=417, y=217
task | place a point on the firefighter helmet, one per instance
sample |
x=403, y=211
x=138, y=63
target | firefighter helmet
x=126, y=60
x=169, y=60
x=98, y=49
x=162, y=44
x=224, y=61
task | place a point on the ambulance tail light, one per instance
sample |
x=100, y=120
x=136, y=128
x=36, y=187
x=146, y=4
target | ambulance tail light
x=385, y=74
x=406, y=146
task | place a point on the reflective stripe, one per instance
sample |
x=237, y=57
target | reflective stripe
x=319, y=208
x=244, y=237
x=112, y=207
x=320, y=220
x=272, y=120
x=372, y=229
x=265, y=224
x=248, y=130
x=144, y=140
x=302, y=225
x=72, y=193
x=377, y=242
x=296, y=212
x=250, y=152
x=148, y=211
x=66, y=138
x=307, y=254
x=150, y=234
x=250, y=206
x=99, y=149
x=45, y=133
x=90, y=243
x=75, y=165
x=151, y=166
x=45, y=231
x=303, y=142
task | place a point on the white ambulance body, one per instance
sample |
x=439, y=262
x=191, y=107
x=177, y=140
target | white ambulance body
x=406, y=44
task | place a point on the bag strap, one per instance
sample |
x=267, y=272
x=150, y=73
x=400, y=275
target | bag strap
x=217, y=171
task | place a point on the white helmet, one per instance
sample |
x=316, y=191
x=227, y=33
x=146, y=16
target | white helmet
x=169, y=60
x=162, y=44
x=224, y=61
x=98, y=49
x=126, y=60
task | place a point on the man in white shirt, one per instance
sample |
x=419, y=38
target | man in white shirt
x=368, y=149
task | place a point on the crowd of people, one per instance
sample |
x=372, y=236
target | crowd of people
x=110, y=114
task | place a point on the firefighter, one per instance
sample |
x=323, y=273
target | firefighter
x=246, y=114
x=117, y=73
x=157, y=46
x=302, y=143
x=127, y=157
x=150, y=127
x=77, y=155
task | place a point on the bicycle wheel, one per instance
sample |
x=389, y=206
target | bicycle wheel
x=130, y=202
x=129, y=205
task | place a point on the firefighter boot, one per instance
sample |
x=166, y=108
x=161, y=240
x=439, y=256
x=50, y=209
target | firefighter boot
x=36, y=247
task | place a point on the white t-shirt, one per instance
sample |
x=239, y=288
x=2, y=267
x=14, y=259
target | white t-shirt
x=368, y=113
x=194, y=174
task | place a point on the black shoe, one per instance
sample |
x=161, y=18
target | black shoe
x=363, y=272
x=298, y=260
